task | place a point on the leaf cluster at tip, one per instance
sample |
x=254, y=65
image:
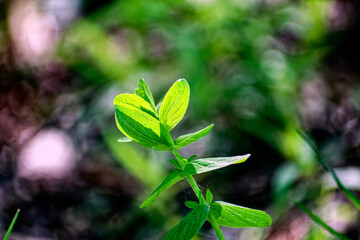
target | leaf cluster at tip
x=141, y=121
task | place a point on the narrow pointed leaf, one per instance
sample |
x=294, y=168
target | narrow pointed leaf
x=202, y=165
x=175, y=104
x=209, y=196
x=140, y=127
x=175, y=163
x=173, y=177
x=192, y=158
x=186, y=139
x=191, y=204
x=231, y=215
x=187, y=228
x=124, y=140
x=144, y=92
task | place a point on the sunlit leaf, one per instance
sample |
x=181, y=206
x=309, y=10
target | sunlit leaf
x=202, y=165
x=187, y=228
x=136, y=102
x=140, y=127
x=174, y=104
x=186, y=139
x=230, y=215
x=144, y=92
x=173, y=177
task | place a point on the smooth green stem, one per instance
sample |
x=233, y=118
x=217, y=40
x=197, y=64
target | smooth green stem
x=199, y=195
x=181, y=160
x=11, y=225
x=216, y=226
x=351, y=196
x=202, y=200
x=196, y=189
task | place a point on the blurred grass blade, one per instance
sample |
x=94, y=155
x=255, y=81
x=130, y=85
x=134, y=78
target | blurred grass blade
x=341, y=186
x=321, y=222
x=12, y=225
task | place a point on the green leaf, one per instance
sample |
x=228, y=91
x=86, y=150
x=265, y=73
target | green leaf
x=124, y=140
x=136, y=102
x=202, y=165
x=209, y=196
x=175, y=104
x=173, y=177
x=191, y=204
x=191, y=158
x=187, y=228
x=230, y=215
x=144, y=92
x=138, y=125
x=12, y=225
x=175, y=163
x=186, y=139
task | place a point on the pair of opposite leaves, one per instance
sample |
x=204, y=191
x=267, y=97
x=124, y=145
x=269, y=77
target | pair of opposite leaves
x=141, y=121
x=148, y=125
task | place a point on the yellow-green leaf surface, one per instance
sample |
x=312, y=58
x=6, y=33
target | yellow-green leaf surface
x=138, y=125
x=144, y=92
x=186, y=139
x=175, y=104
x=173, y=177
x=231, y=215
x=136, y=102
x=203, y=165
x=187, y=228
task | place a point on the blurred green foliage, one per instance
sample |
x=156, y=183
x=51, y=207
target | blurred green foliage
x=248, y=64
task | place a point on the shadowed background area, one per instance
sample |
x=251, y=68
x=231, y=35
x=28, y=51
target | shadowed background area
x=262, y=71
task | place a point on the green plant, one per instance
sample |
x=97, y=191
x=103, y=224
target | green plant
x=11, y=225
x=149, y=125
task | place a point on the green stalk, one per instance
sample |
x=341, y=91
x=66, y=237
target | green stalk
x=350, y=195
x=200, y=196
x=216, y=226
x=12, y=225
x=321, y=222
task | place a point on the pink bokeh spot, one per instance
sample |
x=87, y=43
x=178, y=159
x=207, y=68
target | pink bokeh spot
x=50, y=154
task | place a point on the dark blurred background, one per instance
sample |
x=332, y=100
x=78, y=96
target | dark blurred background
x=261, y=70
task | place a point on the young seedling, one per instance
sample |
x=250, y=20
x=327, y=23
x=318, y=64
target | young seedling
x=141, y=121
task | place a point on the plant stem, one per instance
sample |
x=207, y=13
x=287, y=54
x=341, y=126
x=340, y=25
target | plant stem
x=351, y=196
x=12, y=225
x=319, y=221
x=202, y=200
x=216, y=226
x=200, y=196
